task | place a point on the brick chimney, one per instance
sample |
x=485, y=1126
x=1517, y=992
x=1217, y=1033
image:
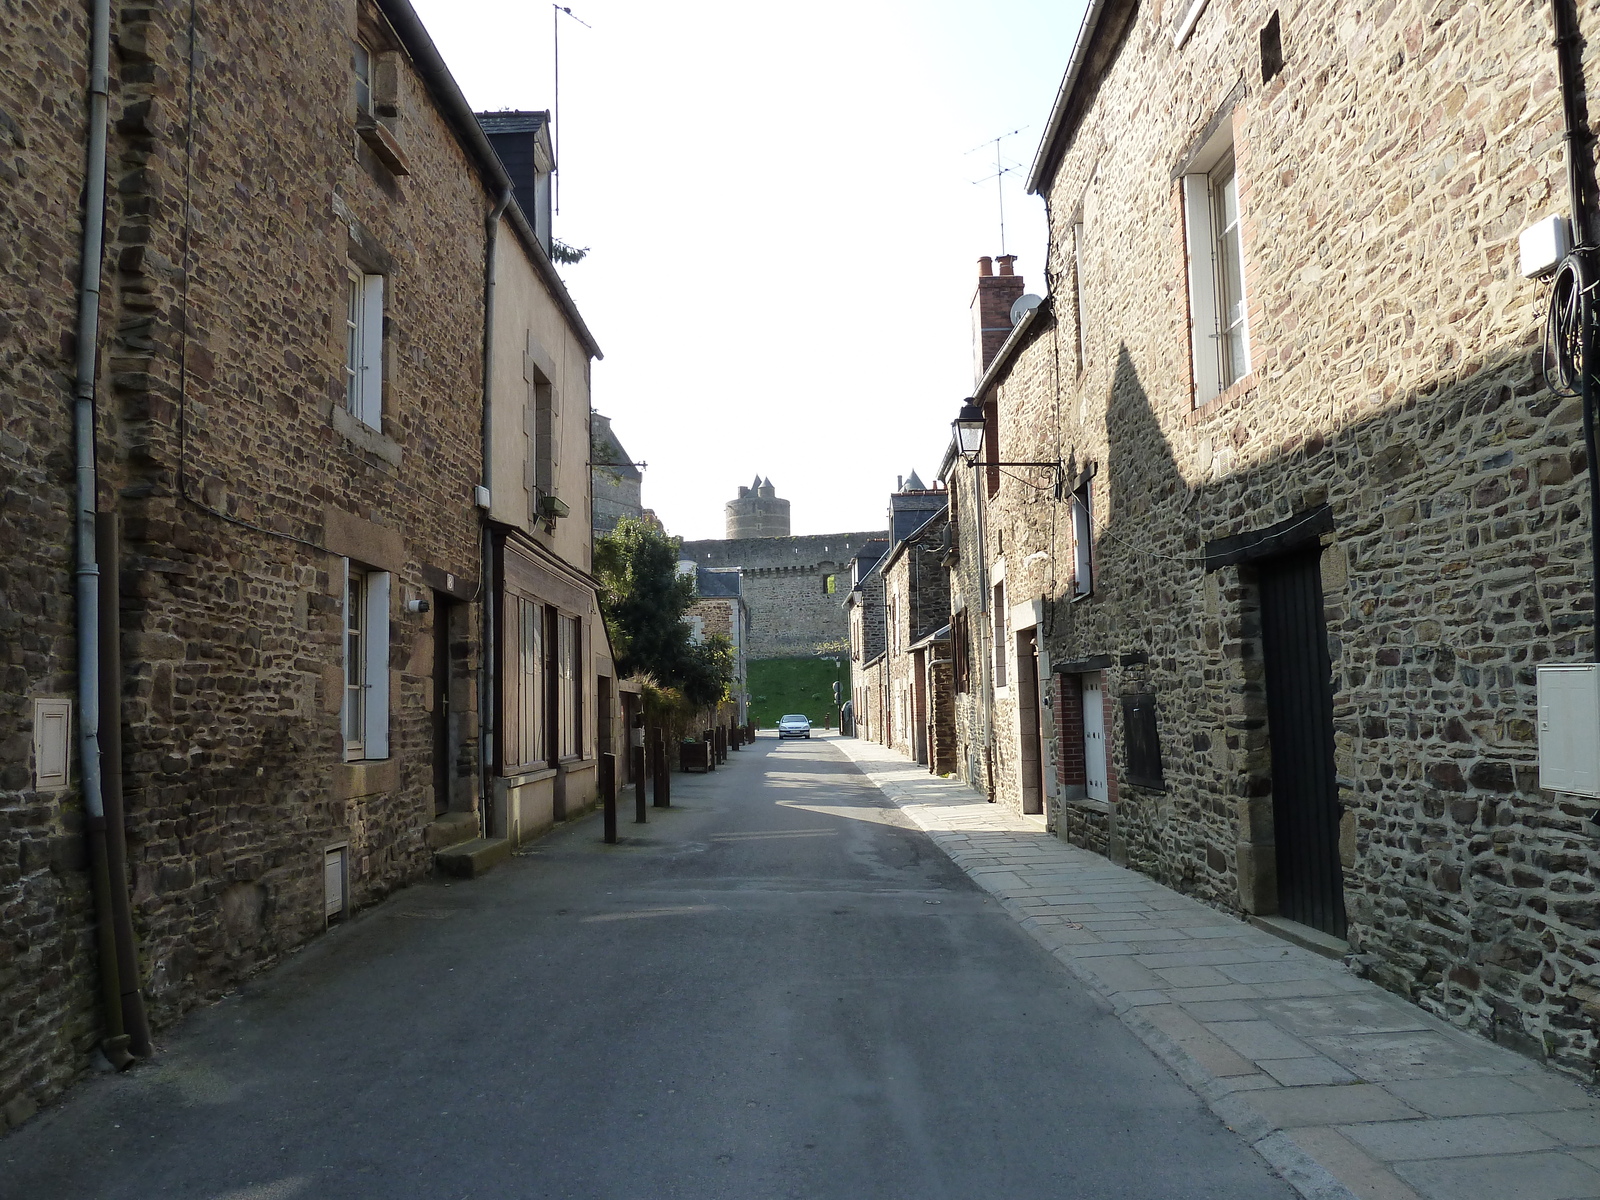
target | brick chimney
x=991, y=310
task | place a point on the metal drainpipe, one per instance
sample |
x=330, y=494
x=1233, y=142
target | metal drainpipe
x=1569, y=69
x=86, y=565
x=486, y=673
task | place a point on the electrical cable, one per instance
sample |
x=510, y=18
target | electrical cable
x=1561, y=343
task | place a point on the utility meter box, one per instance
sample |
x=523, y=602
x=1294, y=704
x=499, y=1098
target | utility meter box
x=1541, y=247
x=1569, y=728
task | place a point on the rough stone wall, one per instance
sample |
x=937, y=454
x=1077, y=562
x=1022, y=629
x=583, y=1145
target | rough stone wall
x=240, y=482
x=1384, y=176
x=791, y=612
x=942, y=715
x=47, y=1012
x=756, y=516
x=966, y=579
x=812, y=550
x=866, y=614
x=916, y=603
x=614, y=483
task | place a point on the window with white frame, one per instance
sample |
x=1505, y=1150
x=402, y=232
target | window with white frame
x=365, y=715
x=1217, y=306
x=1083, y=539
x=363, y=359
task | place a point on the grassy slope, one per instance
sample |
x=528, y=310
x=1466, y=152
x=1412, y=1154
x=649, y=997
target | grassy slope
x=794, y=685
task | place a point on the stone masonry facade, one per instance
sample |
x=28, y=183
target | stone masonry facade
x=241, y=197
x=47, y=1019
x=793, y=588
x=1393, y=425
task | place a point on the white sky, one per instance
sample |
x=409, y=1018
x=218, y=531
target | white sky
x=782, y=223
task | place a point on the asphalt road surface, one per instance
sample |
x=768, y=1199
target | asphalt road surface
x=776, y=989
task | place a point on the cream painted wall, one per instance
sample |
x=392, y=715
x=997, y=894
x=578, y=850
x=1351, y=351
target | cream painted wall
x=529, y=325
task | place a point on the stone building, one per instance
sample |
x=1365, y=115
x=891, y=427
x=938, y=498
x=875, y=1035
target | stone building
x=616, y=481
x=792, y=585
x=290, y=420
x=757, y=512
x=864, y=621
x=898, y=611
x=1320, y=517
x=551, y=683
x=721, y=611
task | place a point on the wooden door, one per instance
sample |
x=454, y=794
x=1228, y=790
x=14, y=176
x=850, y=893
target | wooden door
x=1305, y=795
x=1094, y=738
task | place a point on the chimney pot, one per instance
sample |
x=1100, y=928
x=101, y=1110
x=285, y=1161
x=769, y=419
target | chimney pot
x=1005, y=261
x=985, y=267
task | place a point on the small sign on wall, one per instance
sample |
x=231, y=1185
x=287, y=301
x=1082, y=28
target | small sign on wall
x=52, y=743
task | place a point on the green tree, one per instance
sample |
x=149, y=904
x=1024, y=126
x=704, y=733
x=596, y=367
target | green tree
x=643, y=600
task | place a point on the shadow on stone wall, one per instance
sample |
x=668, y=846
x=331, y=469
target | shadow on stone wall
x=1458, y=562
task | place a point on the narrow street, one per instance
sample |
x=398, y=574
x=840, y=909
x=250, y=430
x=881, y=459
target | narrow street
x=777, y=988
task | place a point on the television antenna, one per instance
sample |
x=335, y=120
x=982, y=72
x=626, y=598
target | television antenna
x=1002, y=168
x=556, y=11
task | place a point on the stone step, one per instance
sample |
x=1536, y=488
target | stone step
x=449, y=828
x=470, y=859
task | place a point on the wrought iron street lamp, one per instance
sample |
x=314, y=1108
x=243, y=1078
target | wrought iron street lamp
x=969, y=430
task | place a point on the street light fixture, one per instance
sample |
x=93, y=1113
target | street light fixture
x=969, y=429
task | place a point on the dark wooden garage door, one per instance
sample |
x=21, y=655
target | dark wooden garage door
x=1305, y=797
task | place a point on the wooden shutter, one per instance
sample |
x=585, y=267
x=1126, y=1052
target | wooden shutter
x=1203, y=324
x=376, y=734
x=371, y=412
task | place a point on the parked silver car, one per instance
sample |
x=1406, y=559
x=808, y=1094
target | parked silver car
x=794, y=725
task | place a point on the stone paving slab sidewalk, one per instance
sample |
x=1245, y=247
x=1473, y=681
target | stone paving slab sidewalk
x=1346, y=1089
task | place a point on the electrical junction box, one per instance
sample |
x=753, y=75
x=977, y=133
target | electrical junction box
x=1569, y=728
x=1543, y=246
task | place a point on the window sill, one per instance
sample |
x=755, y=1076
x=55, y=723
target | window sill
x=365, y=437
x=522, y=776
x=1229, y=398
x=365, y=777
x=383, y=143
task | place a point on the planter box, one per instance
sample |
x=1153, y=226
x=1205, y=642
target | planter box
x=694, y=756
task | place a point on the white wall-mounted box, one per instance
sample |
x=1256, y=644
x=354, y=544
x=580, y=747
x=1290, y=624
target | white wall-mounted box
x=1541, y=247
x=52, y=743
x=1569, y=728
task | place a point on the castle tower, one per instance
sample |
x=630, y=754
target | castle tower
x=757, y=512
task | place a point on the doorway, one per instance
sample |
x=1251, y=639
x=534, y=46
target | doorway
x=445, y=742
x=1093, y=708
x=919, y=707
x=1305, y=797
x=1032, y=748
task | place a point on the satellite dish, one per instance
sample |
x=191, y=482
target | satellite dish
x=1024, y=305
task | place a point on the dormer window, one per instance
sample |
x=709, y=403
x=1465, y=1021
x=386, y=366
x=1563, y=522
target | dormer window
x=374, y=77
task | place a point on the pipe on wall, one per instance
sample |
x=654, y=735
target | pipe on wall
x=487, y=671
x=1580, y=174
x=109, y=915
x=135, y=1023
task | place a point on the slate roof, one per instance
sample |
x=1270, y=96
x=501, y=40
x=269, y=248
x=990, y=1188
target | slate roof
x=718, y=585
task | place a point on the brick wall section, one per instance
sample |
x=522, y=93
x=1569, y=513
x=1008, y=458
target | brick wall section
x=1399, y=154
x=224, y=324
